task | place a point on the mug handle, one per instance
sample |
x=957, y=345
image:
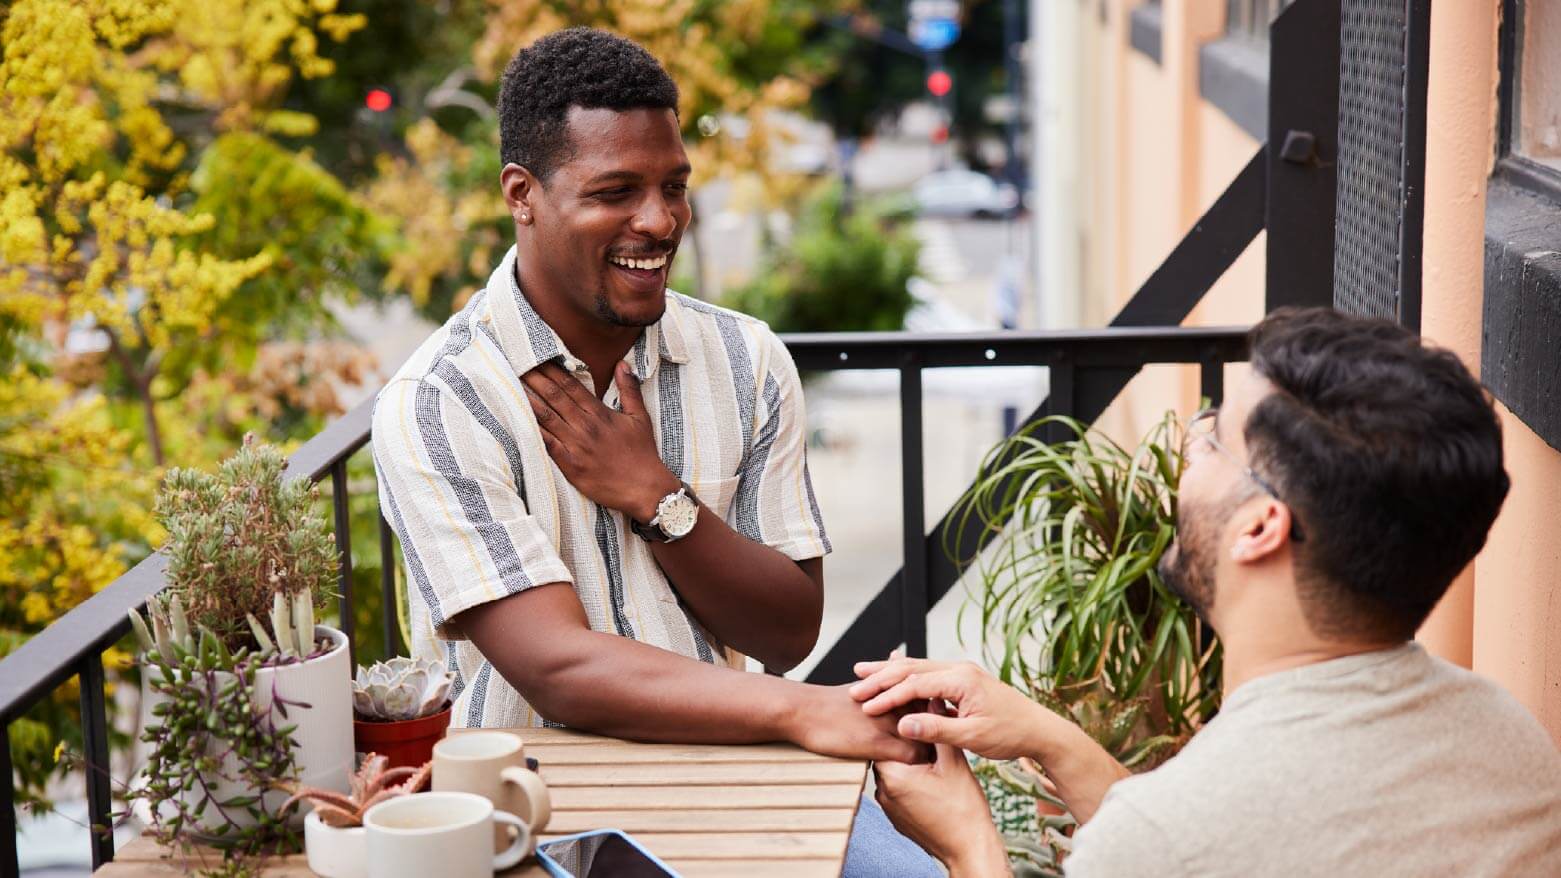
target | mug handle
x=519, y=848
x=538, y=803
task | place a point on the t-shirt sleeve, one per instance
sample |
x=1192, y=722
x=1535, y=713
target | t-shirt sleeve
x=448, y=485
x=1121, y=841
x=774, y=503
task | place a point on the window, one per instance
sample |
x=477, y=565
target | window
x=1519, y=359
x=1533, y=126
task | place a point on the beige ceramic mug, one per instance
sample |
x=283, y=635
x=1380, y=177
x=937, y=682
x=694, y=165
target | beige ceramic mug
x=444, y=834
x=493, y=765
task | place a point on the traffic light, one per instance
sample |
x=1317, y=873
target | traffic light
x=378, y=100
x=939, y=83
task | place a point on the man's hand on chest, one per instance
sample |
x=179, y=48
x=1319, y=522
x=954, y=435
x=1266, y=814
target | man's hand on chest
x=609, y=456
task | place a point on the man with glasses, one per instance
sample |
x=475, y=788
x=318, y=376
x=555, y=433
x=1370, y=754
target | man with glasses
x=1322, y=513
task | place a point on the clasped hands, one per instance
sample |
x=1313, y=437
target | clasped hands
x=939, y=804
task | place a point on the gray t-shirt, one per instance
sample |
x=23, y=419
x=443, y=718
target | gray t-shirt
x=1385, y=763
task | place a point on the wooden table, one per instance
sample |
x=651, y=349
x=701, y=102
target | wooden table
x=751, y=811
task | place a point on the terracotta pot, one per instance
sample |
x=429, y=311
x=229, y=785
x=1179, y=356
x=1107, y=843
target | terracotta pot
x=403, y=742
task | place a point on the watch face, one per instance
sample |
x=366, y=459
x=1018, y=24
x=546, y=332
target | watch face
x=677, y=515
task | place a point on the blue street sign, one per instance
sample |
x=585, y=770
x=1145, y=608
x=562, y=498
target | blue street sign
x=934, y=34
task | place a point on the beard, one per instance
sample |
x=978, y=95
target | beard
x=606, y=313
x=1187, y=566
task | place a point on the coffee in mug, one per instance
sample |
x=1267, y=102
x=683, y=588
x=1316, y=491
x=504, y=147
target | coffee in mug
x=445, y=834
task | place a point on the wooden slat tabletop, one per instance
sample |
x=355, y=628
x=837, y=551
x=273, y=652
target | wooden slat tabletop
x=753, y=811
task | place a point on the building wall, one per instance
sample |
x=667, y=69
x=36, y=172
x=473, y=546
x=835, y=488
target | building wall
x=1176, y=152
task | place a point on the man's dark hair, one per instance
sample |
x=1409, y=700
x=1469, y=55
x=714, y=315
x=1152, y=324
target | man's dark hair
x=1389, y=454
x=577, y=67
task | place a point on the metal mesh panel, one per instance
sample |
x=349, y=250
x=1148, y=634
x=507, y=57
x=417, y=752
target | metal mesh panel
x=1370, y=195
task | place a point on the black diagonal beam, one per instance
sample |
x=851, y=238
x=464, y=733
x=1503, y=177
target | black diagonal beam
x=1165, y=299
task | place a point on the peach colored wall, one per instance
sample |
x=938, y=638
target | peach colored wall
x=1102, y=221
x=1460, y=139
x=1180, y=154
x=1151, y=189
x=1517, y=594
x=1237, y=297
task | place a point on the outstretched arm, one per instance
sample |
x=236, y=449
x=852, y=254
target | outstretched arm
x=540, y=641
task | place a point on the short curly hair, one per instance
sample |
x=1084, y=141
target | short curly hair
x=577, y=67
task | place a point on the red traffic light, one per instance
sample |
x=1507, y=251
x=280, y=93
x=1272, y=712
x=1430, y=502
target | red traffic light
x=939, y=82
x=377, y=100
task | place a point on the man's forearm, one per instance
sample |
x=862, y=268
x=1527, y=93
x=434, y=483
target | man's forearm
x=616, y=686
x=749, y=595
x=541, y=643
x=1079, y=767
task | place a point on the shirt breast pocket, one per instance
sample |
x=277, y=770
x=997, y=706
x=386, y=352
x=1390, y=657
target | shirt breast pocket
x=716, y=494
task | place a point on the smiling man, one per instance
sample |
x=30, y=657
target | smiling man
x=601, y=486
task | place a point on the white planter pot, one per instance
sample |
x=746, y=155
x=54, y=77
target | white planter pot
x=336, y=852
x=323, y=753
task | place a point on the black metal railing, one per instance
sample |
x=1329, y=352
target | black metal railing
x=1086, y=371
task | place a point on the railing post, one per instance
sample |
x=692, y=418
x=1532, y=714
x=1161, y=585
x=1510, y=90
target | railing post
x=387, y=588
x=343, y=542
x=94, y=739
x=913, y=594
x=1211, y=378
x=1060, y=397
x=10, y=866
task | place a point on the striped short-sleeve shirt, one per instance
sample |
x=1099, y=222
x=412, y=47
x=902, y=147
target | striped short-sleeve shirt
x=482, y=512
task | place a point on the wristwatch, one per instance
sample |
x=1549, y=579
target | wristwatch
x=675, y=517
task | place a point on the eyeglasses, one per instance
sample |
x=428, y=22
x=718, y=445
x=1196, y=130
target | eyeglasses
x=1201, y=427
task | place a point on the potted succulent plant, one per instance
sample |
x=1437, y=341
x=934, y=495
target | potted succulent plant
x=244, y=543
x=334, y=838
x=402, y=709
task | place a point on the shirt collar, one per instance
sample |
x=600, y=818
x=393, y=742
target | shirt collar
x=528, y=342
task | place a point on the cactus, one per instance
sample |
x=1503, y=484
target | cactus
x=400, y=689
x=240, y=536
x=170, y=632
x=371, y=784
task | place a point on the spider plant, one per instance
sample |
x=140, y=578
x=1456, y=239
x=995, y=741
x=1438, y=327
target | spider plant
x=1073, y=610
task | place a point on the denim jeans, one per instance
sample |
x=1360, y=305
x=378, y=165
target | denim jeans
x=878, y=850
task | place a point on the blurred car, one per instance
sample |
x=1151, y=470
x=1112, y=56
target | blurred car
x=962, y=192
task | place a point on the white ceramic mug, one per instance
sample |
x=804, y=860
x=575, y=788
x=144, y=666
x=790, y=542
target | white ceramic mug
x=493, y=765
x=444, y=834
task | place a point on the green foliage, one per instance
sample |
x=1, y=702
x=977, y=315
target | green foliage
x=322, y=243
x=240, y=536
x=842, y=270
x=208, y=739
x=1069, y=592
x=1074, y=612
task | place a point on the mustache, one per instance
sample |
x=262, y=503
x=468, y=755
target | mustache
x=644, y=253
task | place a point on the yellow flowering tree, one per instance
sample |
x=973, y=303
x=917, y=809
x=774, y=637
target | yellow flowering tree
x=125, y=126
